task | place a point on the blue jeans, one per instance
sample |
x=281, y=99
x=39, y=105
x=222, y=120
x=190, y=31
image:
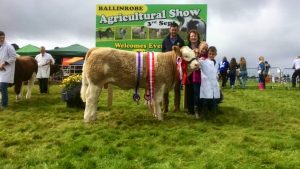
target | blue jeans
x=4, y=94
x=232, y=78
x=261, y=78
x=243, y=78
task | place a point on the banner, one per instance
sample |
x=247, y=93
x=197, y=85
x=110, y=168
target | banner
x=143, y=27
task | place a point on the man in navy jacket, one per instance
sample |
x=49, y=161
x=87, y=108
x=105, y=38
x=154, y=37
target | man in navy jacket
x=172, y=39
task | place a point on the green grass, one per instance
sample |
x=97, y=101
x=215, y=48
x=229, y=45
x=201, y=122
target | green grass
x=258, y=129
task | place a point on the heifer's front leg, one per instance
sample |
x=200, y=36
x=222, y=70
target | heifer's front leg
x=92, y=96
x=18, y=86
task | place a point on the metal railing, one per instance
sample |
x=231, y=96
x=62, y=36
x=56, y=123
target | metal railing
x=276, y=75
x=66, y=71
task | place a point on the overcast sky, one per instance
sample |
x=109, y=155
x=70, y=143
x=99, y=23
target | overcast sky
x=237, y=28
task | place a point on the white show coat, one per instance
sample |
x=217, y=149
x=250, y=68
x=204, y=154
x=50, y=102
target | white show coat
x=43, y=65
x=7, y=54
x=296, y=63
x=209, y=80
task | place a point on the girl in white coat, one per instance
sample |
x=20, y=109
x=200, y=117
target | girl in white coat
x=209, y=90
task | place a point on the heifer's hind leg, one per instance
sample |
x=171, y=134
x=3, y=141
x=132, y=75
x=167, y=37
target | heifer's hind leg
x=92, y=96
x=157, y=102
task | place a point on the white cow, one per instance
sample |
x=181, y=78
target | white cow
x=118, y=67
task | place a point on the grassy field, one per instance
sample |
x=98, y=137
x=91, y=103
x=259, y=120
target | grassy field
x=258, y=129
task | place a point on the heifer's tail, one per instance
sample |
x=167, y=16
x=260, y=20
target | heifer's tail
x=85, y=82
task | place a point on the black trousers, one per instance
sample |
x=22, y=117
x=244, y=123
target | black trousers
x=294, y=76
x=189, y=98
x=43, y=83
x=224, y=77
x=177, y=89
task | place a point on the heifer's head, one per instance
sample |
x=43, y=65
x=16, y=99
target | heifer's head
x=188, y=55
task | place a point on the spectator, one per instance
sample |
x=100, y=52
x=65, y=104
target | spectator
x=232, y=72
x=243, y=75
x=260, y=71
x=172, y=39
x=44, y=61
x=296, y=66
x=223, y=68
x=7, y=68
x=192, y=86
x=266, y=72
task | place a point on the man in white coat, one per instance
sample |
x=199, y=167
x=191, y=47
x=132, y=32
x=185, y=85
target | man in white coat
x=296, y=66
x=7, y=68
x=44, y=61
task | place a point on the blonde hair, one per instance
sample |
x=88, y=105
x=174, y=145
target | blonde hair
x=203, y=43
x=242, y=61
x=261, y=58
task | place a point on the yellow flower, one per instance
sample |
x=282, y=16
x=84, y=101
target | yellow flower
x=71, y=81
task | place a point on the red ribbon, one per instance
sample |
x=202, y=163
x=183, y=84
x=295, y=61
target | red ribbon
x=184, y=79
x=150, y=76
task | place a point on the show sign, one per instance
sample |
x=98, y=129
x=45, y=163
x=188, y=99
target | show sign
x=143, y=27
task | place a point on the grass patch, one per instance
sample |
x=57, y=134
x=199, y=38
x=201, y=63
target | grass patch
x=258, y=129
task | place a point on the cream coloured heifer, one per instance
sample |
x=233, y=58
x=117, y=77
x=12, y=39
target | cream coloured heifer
x=118, y=67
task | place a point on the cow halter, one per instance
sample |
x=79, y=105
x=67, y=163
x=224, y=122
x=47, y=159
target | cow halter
x=139, y=72
x=189, y=62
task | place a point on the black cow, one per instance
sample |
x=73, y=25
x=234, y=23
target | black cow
x=107, y=33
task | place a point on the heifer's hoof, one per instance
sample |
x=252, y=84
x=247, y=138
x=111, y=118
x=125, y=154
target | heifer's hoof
x=160, y=118
x=197, y=116
x=89, y=119
x=18, y=98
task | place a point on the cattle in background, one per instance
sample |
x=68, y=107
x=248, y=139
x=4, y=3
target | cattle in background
x=25, y=70
x=159, y=33
x=192, y=22
x=139, y=32
x=107, y=33
x=122, y=32
x=103, y=65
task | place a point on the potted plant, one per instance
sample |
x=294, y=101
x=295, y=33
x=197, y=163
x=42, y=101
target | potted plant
x=71, y=91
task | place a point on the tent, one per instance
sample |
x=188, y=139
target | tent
x=78, y=63
x=72, y=61
x=28, y=50
x=70, y=51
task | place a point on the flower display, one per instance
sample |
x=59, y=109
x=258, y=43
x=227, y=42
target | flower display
x=71, y=81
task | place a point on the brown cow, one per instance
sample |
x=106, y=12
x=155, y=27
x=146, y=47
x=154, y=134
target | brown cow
x=25, y=70
x=118, y=67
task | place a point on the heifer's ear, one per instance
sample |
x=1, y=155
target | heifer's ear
x=176, y=49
